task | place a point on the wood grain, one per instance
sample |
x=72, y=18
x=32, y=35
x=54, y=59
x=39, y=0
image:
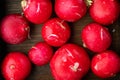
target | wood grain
x=43, y=72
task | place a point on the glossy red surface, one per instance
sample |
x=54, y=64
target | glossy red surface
x=70, y=10
x=96, y=37
x=41, y=53
x=37, y=11
x=104, y=11
x=106, y=64
x=14, y=29
x=16, y=66
x=70, y=62
x=56, y=32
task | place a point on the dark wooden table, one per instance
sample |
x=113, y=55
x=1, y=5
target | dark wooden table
x=43, y=72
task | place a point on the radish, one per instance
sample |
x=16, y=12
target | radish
x=105, y=64
x=41, y=53
x=104, y=11
x=16, y=66
x=70, y=10
x=95, y=37
x=14, y=29
x=56, y=32
x=70, y=62
x=37, y=11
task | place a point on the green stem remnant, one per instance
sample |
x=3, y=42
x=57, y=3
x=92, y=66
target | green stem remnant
x=88, y=2
x=23, y=3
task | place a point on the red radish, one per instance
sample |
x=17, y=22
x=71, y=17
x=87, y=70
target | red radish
x=37, y=11
x=16, y=66
x=105, y=64
x=70, y=10
x=104, y=11
x=56, y=32
x=96, y=37
x=41, y=53
x=14, y=29
x=70, y=62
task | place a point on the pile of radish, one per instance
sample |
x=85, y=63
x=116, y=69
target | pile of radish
x=69, y=61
